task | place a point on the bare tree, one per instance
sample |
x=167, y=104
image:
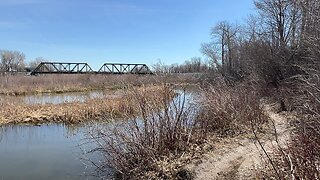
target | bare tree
x=282, y=19
x=211, y=51
x=12, y=61
x=33, y=64
x=222, y=47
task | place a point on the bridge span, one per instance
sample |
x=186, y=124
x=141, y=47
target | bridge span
x=84, y=68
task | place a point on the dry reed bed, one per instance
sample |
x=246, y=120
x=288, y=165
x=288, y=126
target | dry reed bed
x=74, y=112
x=23, y=85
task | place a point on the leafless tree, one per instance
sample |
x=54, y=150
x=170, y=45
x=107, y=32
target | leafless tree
x=194, y=65
x=282, y=19
x=33, y=64
x=12, y=61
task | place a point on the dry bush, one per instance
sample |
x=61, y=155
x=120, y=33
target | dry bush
x=164, y=127
x=301, y=158
x=230, y=110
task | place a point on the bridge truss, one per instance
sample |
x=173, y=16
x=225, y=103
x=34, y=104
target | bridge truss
x=118, y=68
x=62, y=68
x=84, y=68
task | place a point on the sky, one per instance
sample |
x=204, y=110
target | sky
x=125, y=31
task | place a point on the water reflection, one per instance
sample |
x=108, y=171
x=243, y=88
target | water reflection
x=43, y=152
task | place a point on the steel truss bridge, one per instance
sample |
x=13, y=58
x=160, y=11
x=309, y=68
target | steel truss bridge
x=84, y=68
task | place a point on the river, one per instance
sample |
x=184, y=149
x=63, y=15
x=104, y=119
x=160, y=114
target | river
x=53, y=151
x=43, y=152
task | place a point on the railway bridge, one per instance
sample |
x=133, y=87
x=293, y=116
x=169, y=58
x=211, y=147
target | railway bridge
x=84, y=68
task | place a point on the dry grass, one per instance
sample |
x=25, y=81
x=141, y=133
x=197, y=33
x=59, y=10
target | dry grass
x=73, y=112
x=300, y=158
x=22, y=85
x=231, y=110
x=68, y=112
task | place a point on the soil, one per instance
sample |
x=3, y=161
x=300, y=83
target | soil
x=239, y=158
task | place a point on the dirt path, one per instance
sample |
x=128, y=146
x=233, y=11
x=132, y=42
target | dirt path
x=238, y=159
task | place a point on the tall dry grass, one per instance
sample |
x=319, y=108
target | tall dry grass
x=53, y=83
x=231, y=110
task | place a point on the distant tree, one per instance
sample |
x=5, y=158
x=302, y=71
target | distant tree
x=12, y=61
x=194, y=65
x=34, y=63
x=158, y=67
x=211, y=51
x=222, y=50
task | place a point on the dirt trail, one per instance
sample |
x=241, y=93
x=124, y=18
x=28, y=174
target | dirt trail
x=239, y=159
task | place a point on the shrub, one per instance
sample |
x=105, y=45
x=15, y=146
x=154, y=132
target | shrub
x=230, y=110
x=163, y=127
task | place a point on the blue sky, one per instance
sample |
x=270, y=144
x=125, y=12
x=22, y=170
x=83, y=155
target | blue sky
x=128, y=31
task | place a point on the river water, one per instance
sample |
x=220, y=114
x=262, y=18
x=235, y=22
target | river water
x=43, y=152
x=51, y=152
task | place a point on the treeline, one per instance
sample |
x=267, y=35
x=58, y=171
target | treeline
x=276, y=44
x=194, y=65
x=15, y=61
